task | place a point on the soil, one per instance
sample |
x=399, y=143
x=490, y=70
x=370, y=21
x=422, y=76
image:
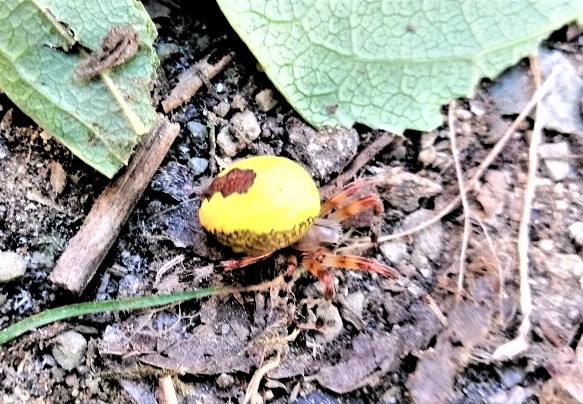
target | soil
x=378, y=340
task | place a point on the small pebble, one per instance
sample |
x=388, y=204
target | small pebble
x=265, y=100
x=393, y=251
x=558, y=168
x=427, y=156
x=12, y=266
x=510, y=377
x=222, y=109
x=428, y=139
x=198, y=131
x=574, y=315
x=45, y=135
x=129, y=285
x=225, y=143
x=463, y=114
x=198, y=165
x=333, y=326
x=245, y=127
x=225, y=380
x=72, y=381
x=355, y=302
x=576, y=231
x=239, y=102
x=166, y=49
x=69, y=349
x=547, y=245
x=429, y=241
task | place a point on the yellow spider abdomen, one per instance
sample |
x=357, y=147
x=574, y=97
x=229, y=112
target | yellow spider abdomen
x=260, y=204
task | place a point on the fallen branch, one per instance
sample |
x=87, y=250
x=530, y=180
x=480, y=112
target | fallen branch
x=192, y=79
x=89, y=246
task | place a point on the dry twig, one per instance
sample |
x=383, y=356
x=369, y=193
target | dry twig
x=520, y=343
x=252, y=393
x=192, y=79
x=167, y=390
x=472, y=182
x=88, y=248
x=167, y=266
x=464, y=199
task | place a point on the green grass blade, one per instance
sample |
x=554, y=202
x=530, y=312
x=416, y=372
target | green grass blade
x=81, y=309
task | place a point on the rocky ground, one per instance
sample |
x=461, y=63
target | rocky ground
x=378, y=340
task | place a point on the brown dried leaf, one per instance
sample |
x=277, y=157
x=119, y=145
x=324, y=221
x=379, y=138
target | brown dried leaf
x=58, y=177
x=566, y=370
x=374, y=355
x=469, y=322
x=220, y=346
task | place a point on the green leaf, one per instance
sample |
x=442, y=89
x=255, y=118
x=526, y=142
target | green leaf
x=389, y=64
x=99, y=119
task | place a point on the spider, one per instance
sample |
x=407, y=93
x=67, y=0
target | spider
x=262, y=204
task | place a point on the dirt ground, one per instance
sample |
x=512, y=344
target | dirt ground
x=378, y=340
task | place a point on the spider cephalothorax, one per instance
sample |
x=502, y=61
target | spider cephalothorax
x=261, y=204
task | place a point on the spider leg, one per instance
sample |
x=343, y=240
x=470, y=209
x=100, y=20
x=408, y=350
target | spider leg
x=229, y=265
x=358, y=263
x=310, y=262
x=346, y=208
x=369, y=265
x=336, y=200
x=360, y=205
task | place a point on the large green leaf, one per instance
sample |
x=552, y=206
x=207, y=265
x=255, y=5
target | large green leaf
x=389, y=64
x=99, y=119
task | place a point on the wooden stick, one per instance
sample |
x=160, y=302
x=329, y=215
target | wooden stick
x=89, y=246
x=192, y=79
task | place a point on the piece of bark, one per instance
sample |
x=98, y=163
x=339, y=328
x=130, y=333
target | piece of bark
x=192, y=79
x=89, y=246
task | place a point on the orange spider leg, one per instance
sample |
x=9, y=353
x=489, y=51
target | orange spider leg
x=355, y=207
x=358, y=263
x=229, y=265
x=336, y=200
x=310, y=262
x=360, y=205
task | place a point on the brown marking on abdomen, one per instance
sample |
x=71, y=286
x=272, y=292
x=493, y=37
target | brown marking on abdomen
x=235, y=181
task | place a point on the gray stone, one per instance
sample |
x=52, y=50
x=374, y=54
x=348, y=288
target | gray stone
x=576, y=232
x=245, y=127
x=333, y=325
x=265, y=100
x=558, y=168
x=198, y=165
x=325, y=152
x=198, y=131
x=393, y=251
x=427, y=244
x=225, y=143
x=222, y=109
x=69, y=349
x=12, y=266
